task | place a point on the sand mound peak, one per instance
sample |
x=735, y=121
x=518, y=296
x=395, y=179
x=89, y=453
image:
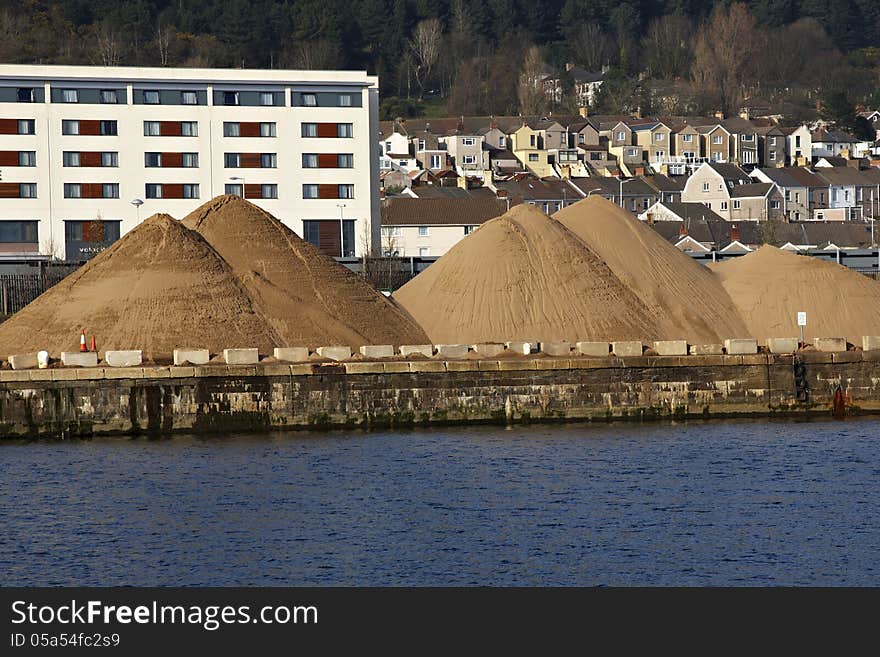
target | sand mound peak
x=770, y=286
x=159, y=287
x=523, y=276
x=305, y=296
x=686, y=299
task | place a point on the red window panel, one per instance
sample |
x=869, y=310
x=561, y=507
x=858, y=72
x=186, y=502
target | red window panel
x=172, y=160
x=327, y=130
x=172, y=190
x=249, y=129
x=328, y=238
x=93, y=231
x=328, y=160
x=249, y=160
x=170, y=129
x=8, y=126
x=253, y=191
x=9, y=158
x=90, y=159
x=10, y=190
x=92, y=190
x=328, y=191
x=89, y=127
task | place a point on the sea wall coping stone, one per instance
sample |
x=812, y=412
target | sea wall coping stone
x=706, y=349
x=782, y=345
x=191, y=356
x=377, y=350
x=291, y=354
x=593, y=348
x=741, y=346
x=488, y=349
x=556, y=348
x=79, y=358
x=124, y=358
x=626, y=349
x=423, y=349
x=23, y=361
x=241, y=356
x=337, y=352
x=830, y=344
x=671, y=347
x=524, y=348
x=452, y=350
x=870, y=342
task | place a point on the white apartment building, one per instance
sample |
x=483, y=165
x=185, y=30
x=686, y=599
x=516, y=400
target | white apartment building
x=80, y=146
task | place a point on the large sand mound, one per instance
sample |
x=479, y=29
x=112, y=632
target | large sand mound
x=687, y=300
x=523, y=276
x=306, y=297
x=159, y=287
x=770, y=286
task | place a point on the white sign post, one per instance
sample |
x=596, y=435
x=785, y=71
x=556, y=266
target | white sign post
x=802, y=322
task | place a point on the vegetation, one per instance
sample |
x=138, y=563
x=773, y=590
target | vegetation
x=669, y=55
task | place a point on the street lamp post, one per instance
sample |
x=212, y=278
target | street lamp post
x=622, y=182
x=341, y=207
x=598, y=189
x=137, y=203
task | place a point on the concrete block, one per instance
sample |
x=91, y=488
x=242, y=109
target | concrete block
x=334, y=353
x=740, y=346
x=593, y=348
x=241, y=356
x=754, y=359
x=556, y=348
x=291, y=354
x=124, y=373
x=462, y=365
x=182, y=372
x=191, y=356
x=61, y=374
x=79, y=358
x=846, y=357
x=423, y=349
x=427, y=366
x=396, y=368
x=305, y=369
x=40, y=375
x=241, y=370
x=671, y=347
x=830, y=344
x=524, y=348
x=23, y=361
x=364, y=368
x=489, y=365
x=276, y=369
x=870, y=342
x=488, y=349
x=626, y=349
x=706, y=349
x=782, y=345
x=90, y=374
x=129, y=358
x=515, y=364
x=377, y=350
x=452, y=350
x=9, y=376
x=554, y=364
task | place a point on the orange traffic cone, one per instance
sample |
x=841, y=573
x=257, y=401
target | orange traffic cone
x=93, y=347
x=82, y=340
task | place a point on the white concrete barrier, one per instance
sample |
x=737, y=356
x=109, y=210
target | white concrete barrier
x=626, y=349
x=870, y=342
x=452, y=350
x=423, y=349
x=593, y=348
x=241, y=356
x=782, y=345
x=334, y=353
x=377, y=350
x=706, y=349
x=23, y=361
x=291, y=354
x=79, y=358
x=830, y=344
x=191, y=356
x=556, y=348
x=671, y=347
x=124, y=358
x=741, y=346
x=524, y=348
x=488, y=349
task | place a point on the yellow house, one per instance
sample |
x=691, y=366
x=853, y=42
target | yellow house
x=529, y=148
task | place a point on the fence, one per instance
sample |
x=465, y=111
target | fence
x=18, y=290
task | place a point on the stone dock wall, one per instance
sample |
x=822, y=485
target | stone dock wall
x=68, y=402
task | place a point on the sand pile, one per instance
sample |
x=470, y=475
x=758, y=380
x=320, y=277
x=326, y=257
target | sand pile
x=159, y=287
x=770, y=286
x=305, y=297
x=686, y=299
x=523, y=276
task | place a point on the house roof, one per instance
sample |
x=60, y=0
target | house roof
x=611, y=186
x=804, y=177
x=532, y=188
x=438, y=191
x=665, y=183
x=440, y=211
x=751, y=190
x=753, y=233
x=582, y=75
x=736, y=124
x=730, y=172
x=845, y=176
x=833, y=136
x=691, y=211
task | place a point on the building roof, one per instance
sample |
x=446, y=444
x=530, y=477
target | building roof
x=751, y=190
x=438, y=191
x=804, y=177
x=665, y=183
x=819, y=234
x=730, y=172
x=440, y=211
x=833, y=136
x=691, y=211
x=582, y=75
x=531, y=188
x=833, y=160
x=845, y=176
x=736, y=124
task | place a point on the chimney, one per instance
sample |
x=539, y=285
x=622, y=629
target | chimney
x=734, y=233
x=493, y=125
x=488, y=178
x=463, y=182
x=382, y=194
x=460, y=125
x=683, y=231
x=584, y=111
x=565, y=171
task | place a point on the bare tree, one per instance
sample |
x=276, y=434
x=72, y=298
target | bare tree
x=319, y=54
x=667, y=46
x=532, y=99
x=724, y=55
x=425, y=48
x=591, y=47
x=164, y=34
x=109, y=45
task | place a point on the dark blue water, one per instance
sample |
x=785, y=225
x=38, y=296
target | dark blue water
x=740, y=503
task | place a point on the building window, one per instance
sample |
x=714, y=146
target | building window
x=110, y=190
x=468, y=141
x=153, y=190
x=716, y=139
x=787, y=195
x=27, y=190
x=69, y=96
x=748, y=137
x=772, y=156
x=738, y=204
x=632, y=152
x=108, y=128
x=108, y=96
x=235, y=190
x=25, y=95
x=705, y=187
x=72, y=190
x=310, y=191
x=533, y=157
x=621, y=135
x=18, y=232
x=69, y=127
x=820, y=216
x=189, y=98
x=189, y=160
x=421, y=144
x=687, y=138
x=152, y=160
x=26, y=126
x=346, y=191
x=345, y=100
x=310, y=100
x=151, y=97
x=267, y=98
x=27, y=158
x=70, y=159
x=230, y=98
x=797, y=197
x=191, y=191
x=110, y=159
x=532, y=141
x=311, y=130
x=267, y=130
x=151, y=128
x=469, y=229
x=269, y=191
x=659, y=136
x=343, y=130
x=189, y=129
x=471, y=159
x=232, y=160
x=773, y=141
x=345, y=160
x=231, y=129
x=424, y=252
x=502, y=141
x=435, y=162
x=268, y=161
x=423, y=231
x=310, y=160
x=723, y=205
